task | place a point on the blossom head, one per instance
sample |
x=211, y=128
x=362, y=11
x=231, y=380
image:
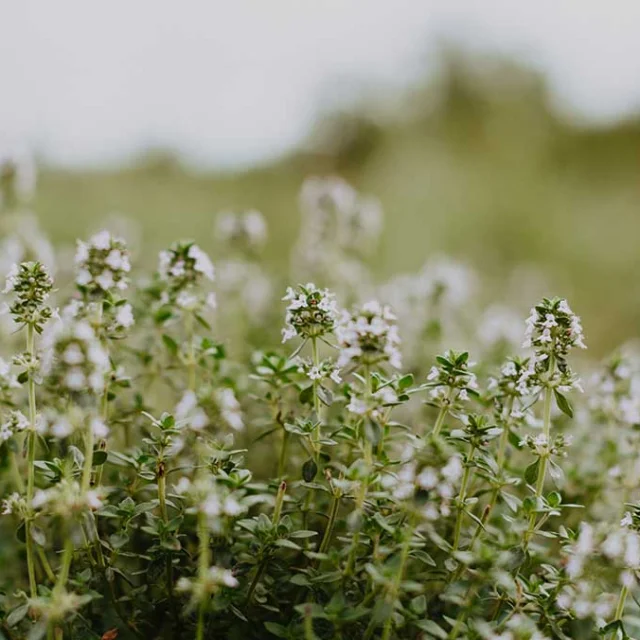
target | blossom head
x=102, y=264
x=246, y=230
x=75, y=360
x=311, y=312
x=31, y=284
x=553, y=329
x=369, y=336
x=184, y=265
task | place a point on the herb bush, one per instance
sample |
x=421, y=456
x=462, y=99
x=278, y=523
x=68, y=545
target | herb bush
x=171, y=469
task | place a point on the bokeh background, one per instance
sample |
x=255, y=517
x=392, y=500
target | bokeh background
x=506, y=135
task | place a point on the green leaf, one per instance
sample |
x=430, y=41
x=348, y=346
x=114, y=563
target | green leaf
x=17, y=615
x=99, y=458
x=170, y=344
x=531, y=472
x=276, y=629
x=563, y=403
x=309, y=470
x=405, y=382
x=287, y=544
x=306, y=395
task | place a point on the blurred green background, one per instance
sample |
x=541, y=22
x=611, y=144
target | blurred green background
x=474, y=164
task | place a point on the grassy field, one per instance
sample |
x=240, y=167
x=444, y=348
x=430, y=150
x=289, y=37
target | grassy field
x=476, y=166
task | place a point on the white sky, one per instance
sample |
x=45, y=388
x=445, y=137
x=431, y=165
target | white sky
x=230, y=82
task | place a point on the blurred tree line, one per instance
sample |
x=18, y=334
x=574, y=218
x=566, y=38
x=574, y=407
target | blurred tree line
x=475, y=163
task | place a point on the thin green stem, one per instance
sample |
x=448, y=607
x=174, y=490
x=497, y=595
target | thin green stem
x=31, y=469
x=316, y=396
x=161, y=477
x=191, y=362
x=394, y=590
x=622, y=599
x=282, y=461
x=326, y=539
x=63, y=572
x=542, y=465
x=462, y=497
x=88, y=457
x=504, y=436
x=442, y=414
x=102, y=444
x=45, y=564
x=203, y=569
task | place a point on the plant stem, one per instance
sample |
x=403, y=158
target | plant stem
x=88, y=458
x=102, y=445
x=283, y=454
x=542, y=466
x=203, y=569
x=63, y=572
x=462, y=498
x=395, y=586
x=316, y=397
x=442, y=414
x=45, y=564
x=161, y=476
x=31, y=469
x=326, y=539
x=622, y=599
x=192, y=354
x=504, y=436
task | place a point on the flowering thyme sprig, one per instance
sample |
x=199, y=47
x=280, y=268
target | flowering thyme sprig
x=312, y=313
x=553, y=330
x=31, y=284
x=450, y=383
x=368, y=336
x=102, y=265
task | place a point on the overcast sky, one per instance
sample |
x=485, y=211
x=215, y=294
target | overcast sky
x=236, y=81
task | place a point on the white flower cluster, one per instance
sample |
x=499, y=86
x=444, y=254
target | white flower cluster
x=102, y=264
x=202, y=587
x=210, y=498
x=542, y=446
x=335, y=213
x=184, y=264
x=614, y=392
x=552, y=328
x=66, y=499
x=74, y=358
x=14, y=503
x=8, y=380
x=188, y=412
x=374, y=404
x=247, y=229
x=316, y=373
x=182, y=268
x=229, y=408
x=438, y=483
x=585, y=599
x=16, y=422
x=368, y=336
x=311, y=312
